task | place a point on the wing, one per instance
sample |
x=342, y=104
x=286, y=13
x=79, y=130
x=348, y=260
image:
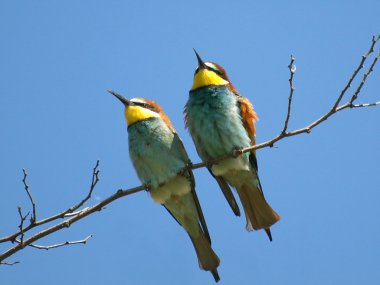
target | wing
x=253, y=161
x=227, y=193
x=194, y=194
x=199, y=209
x=248, y=116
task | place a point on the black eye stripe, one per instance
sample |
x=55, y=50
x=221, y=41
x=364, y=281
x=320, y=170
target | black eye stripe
x=141, y=104
x=146, y=106
x=217, y=71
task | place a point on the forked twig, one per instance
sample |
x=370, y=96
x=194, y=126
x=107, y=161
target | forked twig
x=33, y=216
x=292, y=70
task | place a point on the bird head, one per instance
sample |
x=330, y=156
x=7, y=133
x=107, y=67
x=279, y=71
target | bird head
x=139, y=109
x=210, y=73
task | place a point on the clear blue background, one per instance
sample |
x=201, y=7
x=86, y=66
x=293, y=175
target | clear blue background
x=58, y=58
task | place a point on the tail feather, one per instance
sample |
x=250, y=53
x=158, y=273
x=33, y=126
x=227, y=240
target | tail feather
x=269, y=234
x=207, y=258
x=258, y=212
x=226, y=190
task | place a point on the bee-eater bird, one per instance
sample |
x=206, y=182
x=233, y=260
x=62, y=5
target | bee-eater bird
x=220, y=121
x=161, y=161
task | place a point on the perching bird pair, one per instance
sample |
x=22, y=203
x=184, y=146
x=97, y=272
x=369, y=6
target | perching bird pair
x=220, y=121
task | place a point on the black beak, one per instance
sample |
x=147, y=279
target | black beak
x=121, y=98
x=201, y=63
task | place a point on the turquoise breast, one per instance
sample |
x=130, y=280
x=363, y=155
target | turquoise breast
x=156, y=151
x=214, y=122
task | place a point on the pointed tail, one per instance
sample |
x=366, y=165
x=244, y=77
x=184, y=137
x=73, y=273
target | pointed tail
x=207, y=258
x=258, y=212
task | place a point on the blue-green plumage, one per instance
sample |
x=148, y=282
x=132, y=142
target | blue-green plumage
x=220, y=121
x=214, y=122
x=156, y=151
x=160, y=161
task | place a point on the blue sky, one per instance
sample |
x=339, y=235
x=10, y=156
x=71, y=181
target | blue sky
x=58, y=58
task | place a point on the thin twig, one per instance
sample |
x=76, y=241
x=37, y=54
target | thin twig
x=47, y=247
x=33, y=217
x=21, y=226
x=370, y=69
x=365, y=105
x=9, y=263
x=67, y=223
x=360, y=66
x=292, y=70
x=95, y=179
x=75, y=213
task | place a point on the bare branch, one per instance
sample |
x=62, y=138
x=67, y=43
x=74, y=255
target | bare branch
x=47, y=247
x=33, y=217
x=21, y=226
x=365, y=105
x=9, y=263
x=75, y=213
x=361, y=64
x=292, y=69
x=95, y=179
x=67, y=223
x=370, y=69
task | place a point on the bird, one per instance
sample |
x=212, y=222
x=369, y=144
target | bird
x=161, y=162
x=221, y=121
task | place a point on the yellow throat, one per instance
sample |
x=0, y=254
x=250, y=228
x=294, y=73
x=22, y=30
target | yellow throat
x=135, y=114
x=205, y=77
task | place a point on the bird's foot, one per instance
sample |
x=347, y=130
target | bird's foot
x=184, y=171
x=189, y=164
x=237, y=152
x=147, y=187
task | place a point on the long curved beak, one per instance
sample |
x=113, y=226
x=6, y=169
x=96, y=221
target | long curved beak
x=126, y=102
x=201, y=63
